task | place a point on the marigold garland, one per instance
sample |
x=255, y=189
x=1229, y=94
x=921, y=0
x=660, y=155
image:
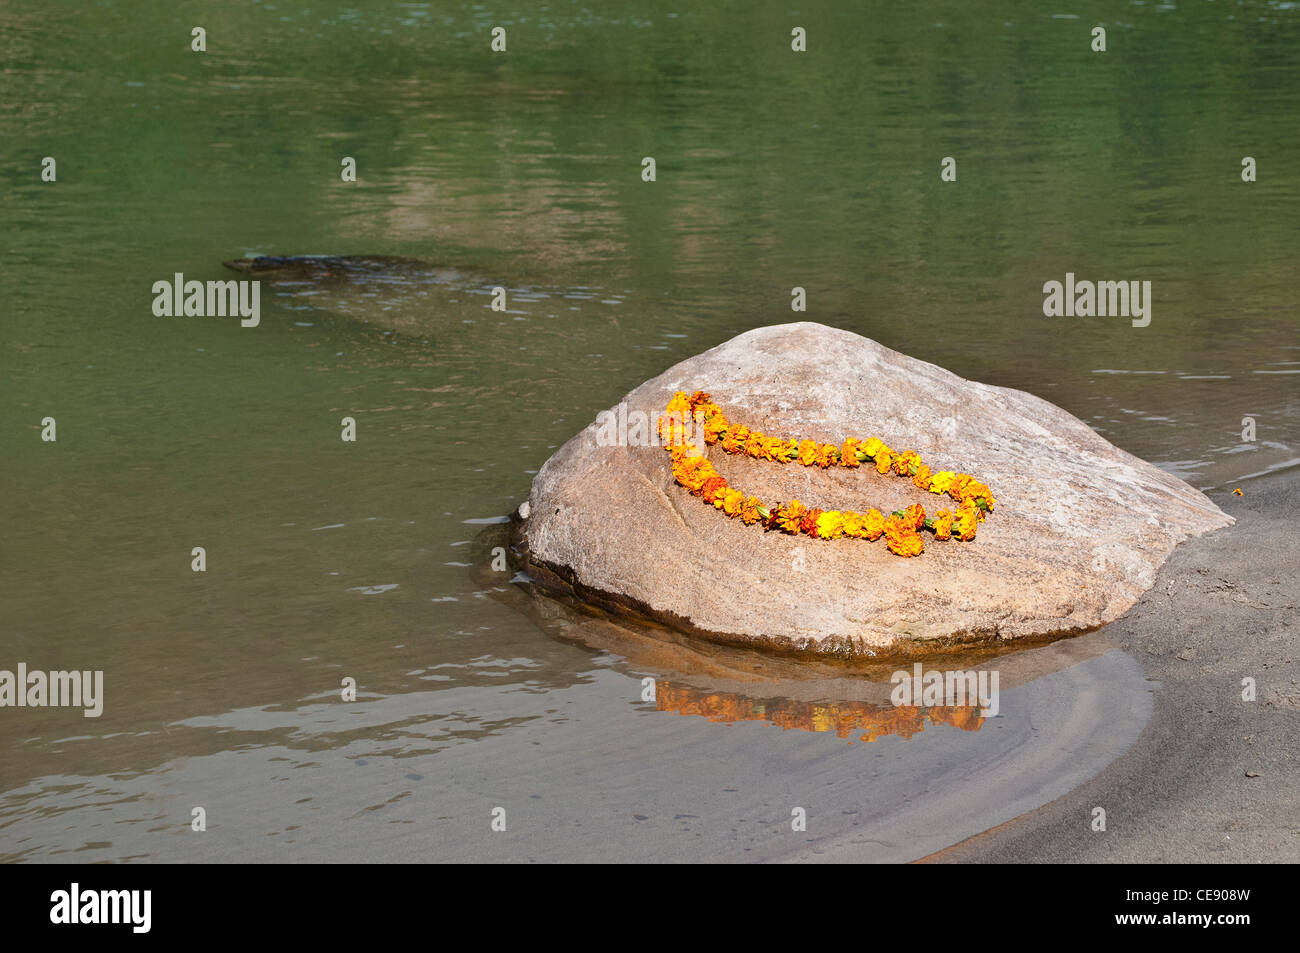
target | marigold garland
x=901, y=529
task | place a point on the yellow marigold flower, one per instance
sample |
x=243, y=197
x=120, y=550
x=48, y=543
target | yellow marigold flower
x=749, y=511
x=884, y=457
x=872, y=446
x=830, y=524
x=849, y=454
x=807, y=452
x=853, y=525
x=873, y=524
x=943, y=525
x=680, y=404
x=921, y=479
x=940, y=481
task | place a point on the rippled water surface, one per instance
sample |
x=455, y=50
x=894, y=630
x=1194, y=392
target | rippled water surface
x=328, y=559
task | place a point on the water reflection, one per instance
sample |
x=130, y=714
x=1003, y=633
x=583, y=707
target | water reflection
x=845, y=719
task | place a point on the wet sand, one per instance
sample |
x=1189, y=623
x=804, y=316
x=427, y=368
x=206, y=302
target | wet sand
x=1213, y=778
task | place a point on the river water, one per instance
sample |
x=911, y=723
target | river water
x=328, y=559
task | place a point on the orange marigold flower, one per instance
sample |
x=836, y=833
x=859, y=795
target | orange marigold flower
x=749, y=510
x=910, y=545
x=691, y=472
x=849, y=454
x=809, y=522
x=975, y=490
x=921, y=479
x=807, y=452
x=943, y=525
x=958, y=484
x=754, y=444
x=873, y=524
x=791, y=516
x=714, y=427
x=712, y=487
x=730, y=501
x=967, y=522
x=672, y=429
x=915, y=514
x=699, y=397
x=902, y=538
x=853, y=524
x=884, y=457
x=826, y=453
x=903, y=462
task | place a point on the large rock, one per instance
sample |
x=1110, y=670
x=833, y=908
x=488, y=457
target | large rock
x=1079, y=529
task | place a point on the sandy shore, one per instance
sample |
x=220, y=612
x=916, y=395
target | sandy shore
x=1212, y=778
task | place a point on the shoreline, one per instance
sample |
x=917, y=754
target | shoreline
x=1212, y=778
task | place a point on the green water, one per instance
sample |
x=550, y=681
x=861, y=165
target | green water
x=522, y=169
